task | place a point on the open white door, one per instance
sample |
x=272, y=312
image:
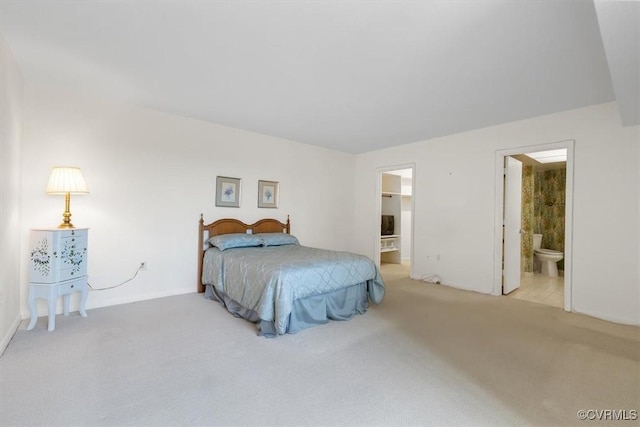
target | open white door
x=512, y=224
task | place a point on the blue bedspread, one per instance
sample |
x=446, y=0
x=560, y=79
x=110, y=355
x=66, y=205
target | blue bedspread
x=268, y=279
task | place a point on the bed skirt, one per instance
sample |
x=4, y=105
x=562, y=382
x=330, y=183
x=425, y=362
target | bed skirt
x=341, y=304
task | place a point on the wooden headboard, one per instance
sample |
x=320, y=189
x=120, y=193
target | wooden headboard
x=230, y=225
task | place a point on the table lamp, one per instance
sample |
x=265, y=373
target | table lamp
x=66, y=180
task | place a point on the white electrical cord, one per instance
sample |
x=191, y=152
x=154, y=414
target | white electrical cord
x=432, y=278
x=120, y=284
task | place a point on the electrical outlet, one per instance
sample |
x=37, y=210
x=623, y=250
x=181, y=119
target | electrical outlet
x=143, y=265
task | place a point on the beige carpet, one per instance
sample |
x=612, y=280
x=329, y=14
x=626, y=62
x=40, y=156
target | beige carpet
x=429, y=355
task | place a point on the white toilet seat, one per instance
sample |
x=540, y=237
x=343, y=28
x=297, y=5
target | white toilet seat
x=548, y=252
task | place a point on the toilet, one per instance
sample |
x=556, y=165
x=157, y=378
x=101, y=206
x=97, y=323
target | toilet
x=548, y=257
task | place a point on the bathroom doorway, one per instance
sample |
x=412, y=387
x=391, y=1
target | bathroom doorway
x=537, y=267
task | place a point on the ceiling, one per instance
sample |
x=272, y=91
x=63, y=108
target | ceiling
x=528, y=161
x=353, y=76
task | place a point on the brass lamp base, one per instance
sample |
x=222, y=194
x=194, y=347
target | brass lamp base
x=66, y=216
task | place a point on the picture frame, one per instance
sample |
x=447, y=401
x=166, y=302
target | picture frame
x=267, y=194
x=227, y=192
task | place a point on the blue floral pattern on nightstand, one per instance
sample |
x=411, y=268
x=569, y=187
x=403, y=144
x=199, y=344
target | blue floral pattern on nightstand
x=72, y=255
x=40, y=257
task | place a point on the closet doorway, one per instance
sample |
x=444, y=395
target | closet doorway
x=395, y=219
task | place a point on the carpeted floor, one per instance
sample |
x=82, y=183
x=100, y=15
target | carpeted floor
x=429, y=355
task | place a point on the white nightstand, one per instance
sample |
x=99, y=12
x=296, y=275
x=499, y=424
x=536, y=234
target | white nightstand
x=57, y=268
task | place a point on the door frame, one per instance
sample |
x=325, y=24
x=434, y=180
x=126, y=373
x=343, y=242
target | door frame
x=378, y=211
x=568, y=214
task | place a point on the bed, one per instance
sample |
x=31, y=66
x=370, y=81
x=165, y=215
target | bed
x=261, y=273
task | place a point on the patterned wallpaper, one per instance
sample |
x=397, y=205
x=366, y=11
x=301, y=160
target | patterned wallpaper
x=543, y=202
x=549, y=203
x=528, y=211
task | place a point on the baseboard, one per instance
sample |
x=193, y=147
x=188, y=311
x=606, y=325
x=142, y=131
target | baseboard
x=6, y=339
x=137, y=298
x=608, y=317
x=118, y=301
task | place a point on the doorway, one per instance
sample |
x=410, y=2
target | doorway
x=394, y=220
x=535, y=281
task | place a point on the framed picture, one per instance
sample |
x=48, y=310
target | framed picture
x=267, y=194
x=228, y=192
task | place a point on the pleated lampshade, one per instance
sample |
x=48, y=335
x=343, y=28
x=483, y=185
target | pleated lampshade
x=66, y=180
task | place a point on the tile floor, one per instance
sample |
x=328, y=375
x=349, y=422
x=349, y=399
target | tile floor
x=541, y=289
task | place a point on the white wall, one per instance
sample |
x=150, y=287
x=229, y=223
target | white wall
x=10, y=121
x=455, y=198
x=150, y=175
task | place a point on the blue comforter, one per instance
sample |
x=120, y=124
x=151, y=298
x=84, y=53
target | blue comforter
x=268, y=279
